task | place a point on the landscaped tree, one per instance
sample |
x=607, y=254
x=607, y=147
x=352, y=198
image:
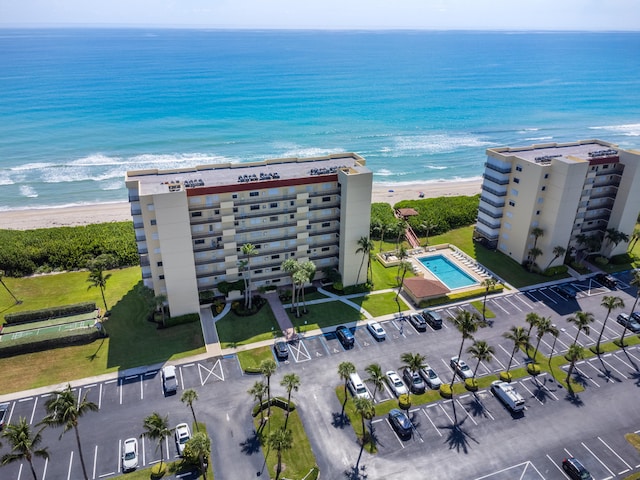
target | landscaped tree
x=404, y=268
x=268, y=367
x=290, y=266
x=280, y=440
x=365, y=247
x=159, y=304
x=467, y=324
x=534, y=253
x=258, y=391
x=15, y=299
x=481, y=351
x=581, y=320
x=249, y=250
x=488, y=284
x=197, y=449
x=97, y=278
x=428, y=226
x=635, y=281
x=537, y=232
x=574, y=354
x=555, y=332
x=189, y=396
x=24, y=444
x=543, y=327
x=376, y=376
x=614, y=237
x=400, y=228
x=532, y=318
x=157, y=428
x=635, y=236
x=609, y=302
x=306, y=272
x=558, y=251
x=520, y=339
x=64, y=409
x=365, y=408
x=291, y=382
x=414, y=362
x=345, y=369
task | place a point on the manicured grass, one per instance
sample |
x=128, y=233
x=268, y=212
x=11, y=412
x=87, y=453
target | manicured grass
x=296, y=462
x=378, y=304
x=356, y=421
x=325, y=315
x=128, y=328
x=234, y=330
x=386, y=277
x=478, y=305
x=250, y=359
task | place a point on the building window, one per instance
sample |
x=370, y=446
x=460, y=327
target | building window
x=275, y=269
x=292, y=203
x=540, y=200
x=235, y=209
x=308, y=201
x=605, y=166
x=235, y=195
x=275, y=257
x=326, y=199
x=516, y=180
x=150, y=207
x=273, y=219
x=326, y=224
x=200, y=241
x=507, y=225
x=153, y=221
x=308, y=227
x=161, y=277
x=254, y=194
x=255, y=207
x=546, y=175
x=216, y=212
x=544, y=187
x=512, y=203
x=236, y=223
x=292, y=216
x=273, y=205
x=509, y=215
x=514, y=192
x=518, y=168
x=537, y=212
x=196, y=214
x=326, y=249
x=258, y=271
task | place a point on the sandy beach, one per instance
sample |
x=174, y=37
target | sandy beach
x=119, y=212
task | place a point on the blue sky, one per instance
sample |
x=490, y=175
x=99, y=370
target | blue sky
x=339, y=14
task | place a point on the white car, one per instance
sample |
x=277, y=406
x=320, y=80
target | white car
x=376, y=330
x=461, y=368
x=396, y=384
x=183, y=434
x=430, y=377
x=130, y=454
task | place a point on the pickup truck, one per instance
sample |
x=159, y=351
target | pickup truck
x=169, y=380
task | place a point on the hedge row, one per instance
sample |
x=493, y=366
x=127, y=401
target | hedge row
x=47, y=313
x=41, y=343
x=275, y=402
x=24, y=252
x=478, y=292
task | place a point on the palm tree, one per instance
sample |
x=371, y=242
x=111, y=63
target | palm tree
x=366, y=409
x=249, y=250
x=532, y=319
x=159, y=303
x=65, y=410
x=280, y=440
x=467, y=324
x=365, y=246
x=307, y=271
x=15, y=299
x=157, y=428
x=413, y=361
x=534, y=253
x=345, y=369
x=404, y=267
x=428, y=226
x=575, y=353
x=543, y=327
x=610, y=303
x=519, y=338
x=488, y=284
x=376, y=376
x=189, y=396
x=267, y=368
x=290, y=266
x=291, y=382
x=581, y=320
x=614, y=236
x=97, y=278
x=555, y=332
x=481, y=351
x=400, y=227
x=258, y=391
x=198, y=447
x=537, y=232
x=635, y=236
x=635, y=281
x=558, y=251
x=24, y=444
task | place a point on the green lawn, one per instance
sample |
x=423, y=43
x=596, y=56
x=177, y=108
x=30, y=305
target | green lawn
x=381, y=303
x=234, y=330
x=128, y=328
x=251, y=359
x=325, y=315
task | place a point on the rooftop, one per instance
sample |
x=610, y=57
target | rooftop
x=586, y=150
x=154, y=181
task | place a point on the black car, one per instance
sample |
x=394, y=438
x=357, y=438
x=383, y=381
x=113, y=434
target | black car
x=565, y=291
x=575, y=469
x=433, y=318
x=281, y=350
x=418, y=322
x=345, y=336
x=400, y=423
x=606, y=280
x=4, y=408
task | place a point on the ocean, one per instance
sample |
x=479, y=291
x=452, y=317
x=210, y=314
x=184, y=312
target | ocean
x=80, y=107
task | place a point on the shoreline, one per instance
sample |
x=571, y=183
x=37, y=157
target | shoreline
x=78, y=215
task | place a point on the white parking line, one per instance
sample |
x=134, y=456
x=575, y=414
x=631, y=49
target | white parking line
x=494, y=302
x=616, y=454
x=144, y=462
x=141, y=388
x=584, y=374
x=542, y=293
x=120, y=386
x=514, y=362
x=557, y=466
x=514, y=305
x=532, y=394
x=602, y=359
x=543, y=386
x=597, y=458
x=431, y=421
x=211, y=372
x=95, y=459
x=44, y=472
x=33, y=410
x=70, y=463
x=521, y=296
x=444, y=411
x=465, y=410
x=394, y=433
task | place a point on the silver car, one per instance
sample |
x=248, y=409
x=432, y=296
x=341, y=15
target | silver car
x=376, y=330
x=396, y=384
x=430, y=377
x=461, y=368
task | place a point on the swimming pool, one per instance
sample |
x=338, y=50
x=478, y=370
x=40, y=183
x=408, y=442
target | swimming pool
x=447, y=272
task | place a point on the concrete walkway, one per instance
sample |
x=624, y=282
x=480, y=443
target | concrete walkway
x=281, y=315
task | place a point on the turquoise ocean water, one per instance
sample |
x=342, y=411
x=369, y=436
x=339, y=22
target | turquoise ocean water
x=80, y=107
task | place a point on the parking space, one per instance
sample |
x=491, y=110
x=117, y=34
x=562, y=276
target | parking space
x=207, y=372
x=316, y=346
x=333, y=345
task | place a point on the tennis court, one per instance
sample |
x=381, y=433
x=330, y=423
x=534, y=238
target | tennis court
x=61, y=324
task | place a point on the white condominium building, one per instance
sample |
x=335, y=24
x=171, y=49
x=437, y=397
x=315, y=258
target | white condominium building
x=571, y=191
x=191, y=223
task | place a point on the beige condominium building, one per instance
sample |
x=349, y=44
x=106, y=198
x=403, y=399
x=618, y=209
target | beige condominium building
x=570, y=191
x=191, y=223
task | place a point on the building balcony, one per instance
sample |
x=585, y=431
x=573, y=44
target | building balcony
x=491, y=213
x=496, y=192
x=505, y=169
x=487, y=223
x=491, y=202
x=496, y=180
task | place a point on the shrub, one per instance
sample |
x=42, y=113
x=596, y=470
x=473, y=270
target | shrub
x=557, y=270
x=533, y=369
x=505, y=376
x=181, y=320
x=601, y=260
x=446, y=213
x=275, y=402
x=471, y=384
x=49, y=341
x=621, y=259
x=47, y=313
x=445, y=390
x=207, y=296
x=404, y=401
